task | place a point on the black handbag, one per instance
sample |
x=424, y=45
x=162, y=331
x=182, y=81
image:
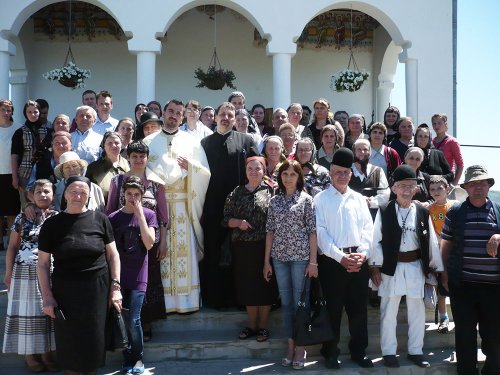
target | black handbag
x=312, y=324
x=116, y=333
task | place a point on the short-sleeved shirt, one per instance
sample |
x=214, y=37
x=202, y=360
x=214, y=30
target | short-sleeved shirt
x=77, y=242
x=133, y=253
x=291, y=219
x=437, y=213
x=480, y=225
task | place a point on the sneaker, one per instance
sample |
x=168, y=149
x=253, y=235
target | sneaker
x=443, y=325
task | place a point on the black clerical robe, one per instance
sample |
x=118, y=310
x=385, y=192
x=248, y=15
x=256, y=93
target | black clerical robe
x=226, y=156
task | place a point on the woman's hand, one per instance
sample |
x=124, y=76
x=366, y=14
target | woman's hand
x=244, y=225
x=162, y=249
x=49, y=303
x=15, y=181
x=267, y=271
x=311, y=270
x=7, y=279
x=30, y=211
x=115, y=298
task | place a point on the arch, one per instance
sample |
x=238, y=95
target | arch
x=383, y=17
x=21, y=11
x=389, y=62
x=246, y=9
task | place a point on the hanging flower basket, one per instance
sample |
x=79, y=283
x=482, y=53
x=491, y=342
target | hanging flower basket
x=348, y=80
x=69, y=75
x=214, y=79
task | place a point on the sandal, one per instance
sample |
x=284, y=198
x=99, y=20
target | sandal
x=262, y=335
x=299, y=364
x=285, y=362
x=246, y=333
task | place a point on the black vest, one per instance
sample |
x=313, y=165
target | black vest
x=391, y=237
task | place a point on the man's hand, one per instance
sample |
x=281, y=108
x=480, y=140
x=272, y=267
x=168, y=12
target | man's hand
x=492, y=245
x=375, y=275
x=183, y=162
x=350, y=263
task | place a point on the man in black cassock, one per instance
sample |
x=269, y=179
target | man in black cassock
x=226, y=152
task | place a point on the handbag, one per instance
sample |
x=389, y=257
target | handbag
x=312, y=324
x=226, y=251
x=116, y=333
x=430, y=296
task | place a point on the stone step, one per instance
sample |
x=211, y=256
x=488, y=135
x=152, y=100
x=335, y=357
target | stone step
x=236, y=320
x=441, y=364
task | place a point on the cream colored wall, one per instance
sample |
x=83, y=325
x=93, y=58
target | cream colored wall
x=188, y=47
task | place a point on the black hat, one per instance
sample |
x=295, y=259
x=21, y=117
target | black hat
x=343, y=157
x=150, y=117
x=404, y=172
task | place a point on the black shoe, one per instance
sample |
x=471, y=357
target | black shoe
x=332, y=363
x=364, y=362
x=419, y=360
x=390, y=361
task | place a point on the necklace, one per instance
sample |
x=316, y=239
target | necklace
x=404, y=228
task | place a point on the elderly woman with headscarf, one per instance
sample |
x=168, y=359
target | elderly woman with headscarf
x=245, y=211
x=356, y=126
x=110, y=164
x=367, y=179
x=316, y=177
x=332, y=138
x=85, y=280
x=71, y=165
x=434, y=162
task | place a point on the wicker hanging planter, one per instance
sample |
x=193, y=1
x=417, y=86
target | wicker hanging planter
x=214, y=78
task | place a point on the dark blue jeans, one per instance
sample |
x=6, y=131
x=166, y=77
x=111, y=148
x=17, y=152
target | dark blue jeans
x=133, y=300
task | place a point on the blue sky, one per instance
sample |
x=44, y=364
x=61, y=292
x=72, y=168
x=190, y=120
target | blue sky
x=478, y=83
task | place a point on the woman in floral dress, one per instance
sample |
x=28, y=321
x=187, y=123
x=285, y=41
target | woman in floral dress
x=28, y=331
x=291, y=243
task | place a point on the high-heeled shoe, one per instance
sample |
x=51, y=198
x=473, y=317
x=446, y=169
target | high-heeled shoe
x=33, y=364
x=299, y=364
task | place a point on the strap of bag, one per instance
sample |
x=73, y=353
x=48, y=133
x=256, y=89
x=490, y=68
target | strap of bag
x=302, y=300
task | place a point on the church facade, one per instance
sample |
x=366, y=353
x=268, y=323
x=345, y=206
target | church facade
x=281, y=51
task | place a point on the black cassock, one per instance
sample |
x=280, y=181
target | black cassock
x=226, y=156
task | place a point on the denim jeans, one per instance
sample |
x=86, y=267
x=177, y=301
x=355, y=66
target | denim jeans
x=133, y=300
x=290, y=278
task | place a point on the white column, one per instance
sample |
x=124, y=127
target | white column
x=146, y=76
x=18, y=91
x=412, y=89
x=384, y=91
x=7, y=49
x=282, y=73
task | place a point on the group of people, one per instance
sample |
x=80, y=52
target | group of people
x=148, y=206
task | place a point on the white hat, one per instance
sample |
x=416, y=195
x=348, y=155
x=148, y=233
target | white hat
x=66, y=157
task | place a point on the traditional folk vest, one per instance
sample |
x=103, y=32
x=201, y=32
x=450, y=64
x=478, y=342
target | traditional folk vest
x=391, y=237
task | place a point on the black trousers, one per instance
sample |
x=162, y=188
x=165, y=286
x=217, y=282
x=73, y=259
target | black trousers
x=475, y=304
x=349, y=290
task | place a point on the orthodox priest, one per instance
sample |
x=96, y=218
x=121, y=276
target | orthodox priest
x=180, y=161
x=226, y=152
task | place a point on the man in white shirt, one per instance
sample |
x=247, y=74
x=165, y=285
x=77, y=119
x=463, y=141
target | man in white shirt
x=104, y=121
x=84, y=140
x=344, y=229
x=404, y=251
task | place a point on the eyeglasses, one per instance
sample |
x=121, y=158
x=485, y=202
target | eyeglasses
x=303, y=150
x=407, y=187
x=191, y=110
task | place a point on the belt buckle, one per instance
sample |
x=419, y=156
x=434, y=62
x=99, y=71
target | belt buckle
x=347, y=250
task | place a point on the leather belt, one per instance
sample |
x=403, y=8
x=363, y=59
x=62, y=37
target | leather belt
x=409, y=256
x=349, y=250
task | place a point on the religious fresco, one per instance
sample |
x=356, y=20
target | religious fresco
x=332, y=30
